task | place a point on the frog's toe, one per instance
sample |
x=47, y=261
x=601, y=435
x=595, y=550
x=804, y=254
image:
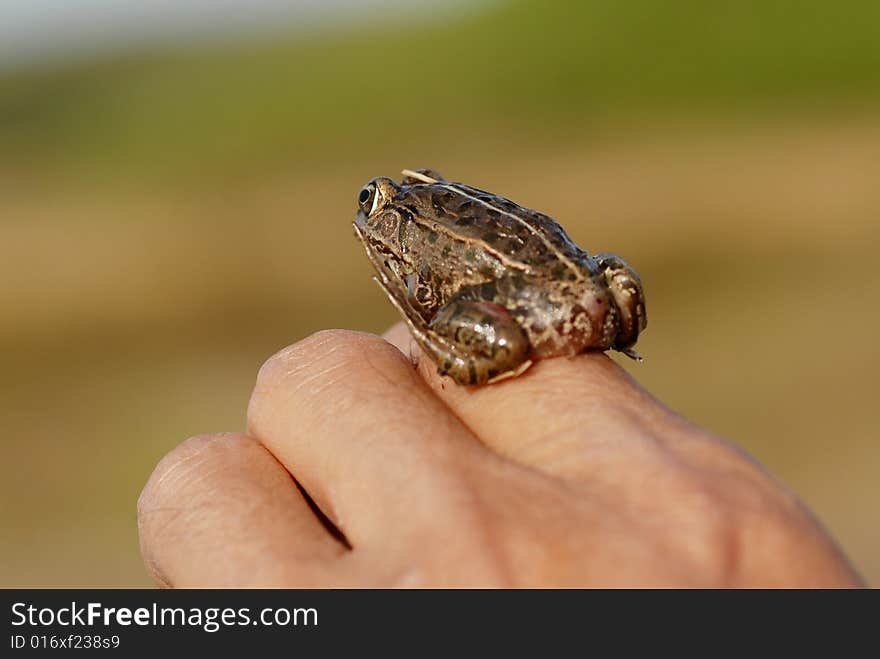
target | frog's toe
x=519, y=370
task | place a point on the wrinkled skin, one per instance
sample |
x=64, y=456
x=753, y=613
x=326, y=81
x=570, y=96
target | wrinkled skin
x=486, y=286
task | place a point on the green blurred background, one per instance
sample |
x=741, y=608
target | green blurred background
x=173, y=212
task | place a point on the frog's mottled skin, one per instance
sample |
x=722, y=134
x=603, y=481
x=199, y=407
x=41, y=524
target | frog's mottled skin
x=487, y=286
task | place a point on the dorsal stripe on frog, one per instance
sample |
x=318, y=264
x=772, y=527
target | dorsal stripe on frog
x=562, y=257
x=412, y=215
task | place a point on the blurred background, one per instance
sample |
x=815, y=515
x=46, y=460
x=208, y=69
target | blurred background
x=178, y=179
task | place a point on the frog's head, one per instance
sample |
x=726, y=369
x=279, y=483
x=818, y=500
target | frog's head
x=381, y=211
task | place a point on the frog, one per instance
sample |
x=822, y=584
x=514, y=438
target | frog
x=487, y=287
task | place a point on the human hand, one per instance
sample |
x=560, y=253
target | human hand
x=569, y=475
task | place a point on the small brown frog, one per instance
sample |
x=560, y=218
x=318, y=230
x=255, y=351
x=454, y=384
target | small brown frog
x=487, y=286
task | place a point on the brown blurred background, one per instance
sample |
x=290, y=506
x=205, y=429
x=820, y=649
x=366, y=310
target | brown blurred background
x=175, y=206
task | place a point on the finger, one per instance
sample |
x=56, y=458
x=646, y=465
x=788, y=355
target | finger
x=563, y=416
x=376, y=450
x=219, y=510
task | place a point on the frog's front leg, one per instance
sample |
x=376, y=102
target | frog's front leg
x=473, y=341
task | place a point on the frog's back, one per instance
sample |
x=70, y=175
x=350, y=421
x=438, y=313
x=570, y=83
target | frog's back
x=522, y=236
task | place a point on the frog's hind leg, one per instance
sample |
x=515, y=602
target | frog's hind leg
x=629, y=298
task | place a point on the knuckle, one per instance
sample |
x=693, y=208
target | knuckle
x=331, y=369
x=325, y=359
x=178, y=468
x=319, y=352
x=742, y=520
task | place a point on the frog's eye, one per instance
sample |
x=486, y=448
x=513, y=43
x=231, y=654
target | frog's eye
x=366, y=198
